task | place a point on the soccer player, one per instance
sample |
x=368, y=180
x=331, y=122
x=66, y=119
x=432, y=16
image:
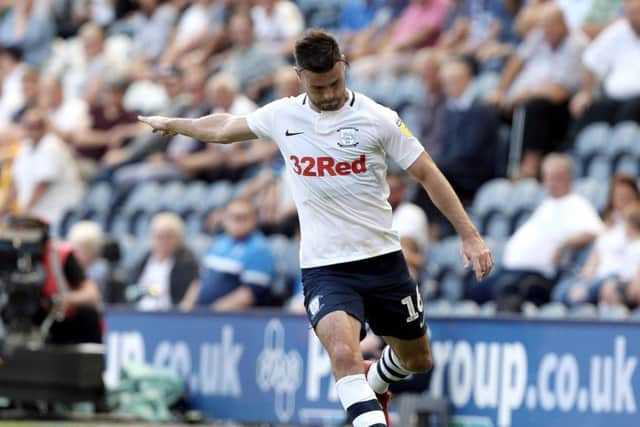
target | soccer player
x=334, y=142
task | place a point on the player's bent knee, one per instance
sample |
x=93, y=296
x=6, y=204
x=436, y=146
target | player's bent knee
x=345, y=359
x=421, y=363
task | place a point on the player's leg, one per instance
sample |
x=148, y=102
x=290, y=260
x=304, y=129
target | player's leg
x=397, y=315
x=336, y=312
x=339, y=333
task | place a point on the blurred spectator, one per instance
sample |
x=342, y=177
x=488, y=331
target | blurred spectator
x=277, y=22
x=198, y=30
x=239, y=267
x=469, y=134
x=485, y=29
x=612, y=60
x=111, y=124
x=69, y=15
x=84, y=59
x=45, y=179
x=287, y=83
x=540, y=78
x=432, y=132
x=151, y=28
x=532, y=255
x=607, y=255
x=87, y=240
x=166, y=272
x=67, y=116
x=418, y=26
x=591, y=16
x=11, y=72
x=163, y=158
x=30, y=92
x=410, y=222
x=251, y=63
x=622, y=285
x=31, y=28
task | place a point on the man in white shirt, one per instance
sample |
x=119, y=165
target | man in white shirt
x=564, y=221
x=612, y=60
x=539, y=80
x=46, y=181
x=334, y=143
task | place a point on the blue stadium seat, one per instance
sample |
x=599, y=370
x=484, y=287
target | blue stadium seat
x=199, y=244
x=120, y=225
x=98, y=197
x=553, y=310
x=445, y=266
x=465, y=308
x=595, y=190
x=172, y=197
x=133, y=250
x=216, y=196
x=285, y=254
x=490, y=210
x=624, y=148
x=591, y=150
x=525, y=196
x=584, y=311
x=488, y=309
x=410, y=91
x=145, y=197
x=497, y=249
x=439, y=307
x=613, y=312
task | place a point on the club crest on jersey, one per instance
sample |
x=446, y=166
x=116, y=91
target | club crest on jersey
x=348, y=137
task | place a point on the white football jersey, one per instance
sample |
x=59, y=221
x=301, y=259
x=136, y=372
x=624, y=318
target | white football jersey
x=337, y=173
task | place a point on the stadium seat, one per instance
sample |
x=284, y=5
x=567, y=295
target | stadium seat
x=465, y=308
x=591, y=147
x=199, y=244
x=439, y=307
x=490, y=209
x=212, y=197
x=488, y=309
x=410, y=91
x=284, y=252
x=553, y=310
x=613, y=312
x=525, y=196
x=446, y=267
x=120, y=225
x=172, y=197
x=98, y=197
x=624, y=148
x=595, y=190
x=583, y=311
x=145, y=197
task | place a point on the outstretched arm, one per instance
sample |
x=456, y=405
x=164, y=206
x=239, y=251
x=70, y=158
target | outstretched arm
x=474, y=249
x=217, y=128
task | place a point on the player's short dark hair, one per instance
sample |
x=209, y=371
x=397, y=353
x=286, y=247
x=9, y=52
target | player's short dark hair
x=317, y=51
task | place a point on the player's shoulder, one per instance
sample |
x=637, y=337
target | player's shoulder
x=375, y=111
x=287, y=103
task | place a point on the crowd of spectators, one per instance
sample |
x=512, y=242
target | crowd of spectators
x=493, y=88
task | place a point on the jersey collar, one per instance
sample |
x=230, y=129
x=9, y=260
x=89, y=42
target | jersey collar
x=350, y=102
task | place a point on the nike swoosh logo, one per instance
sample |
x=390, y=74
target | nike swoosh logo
x=287, y=133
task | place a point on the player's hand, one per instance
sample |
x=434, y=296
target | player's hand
x=475, y=252
x=158, y=123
